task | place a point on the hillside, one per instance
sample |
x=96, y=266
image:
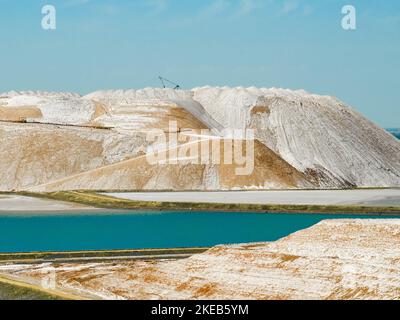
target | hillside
x=317, y=135
x=59, y=141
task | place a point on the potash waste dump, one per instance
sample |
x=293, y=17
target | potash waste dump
x=64, y=141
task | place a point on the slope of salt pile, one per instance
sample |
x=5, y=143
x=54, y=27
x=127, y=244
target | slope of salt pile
x=57, y=108
x=148, y=98
x=318, y=135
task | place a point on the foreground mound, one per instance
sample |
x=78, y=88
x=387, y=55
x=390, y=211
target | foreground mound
x=336, y=259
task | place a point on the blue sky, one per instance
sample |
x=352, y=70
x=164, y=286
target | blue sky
x=293, y=44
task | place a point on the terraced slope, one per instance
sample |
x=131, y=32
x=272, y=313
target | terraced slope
x=270, y=171
x=52, y=141
x=318, y=135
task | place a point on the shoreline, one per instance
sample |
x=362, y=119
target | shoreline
x=95, y=256
x=22, y=287
x=60, y=213
x=352, y=197
x=356, y=211
x=91, y=203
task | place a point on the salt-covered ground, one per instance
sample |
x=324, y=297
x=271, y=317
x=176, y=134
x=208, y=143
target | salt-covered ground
x=335, y=259
x=379, y=197
x=15, y=204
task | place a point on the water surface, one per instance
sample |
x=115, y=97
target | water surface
x=395, y=132
x=139, y=230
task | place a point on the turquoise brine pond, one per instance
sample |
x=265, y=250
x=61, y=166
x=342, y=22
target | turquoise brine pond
x=148, y=230
x=395, y=132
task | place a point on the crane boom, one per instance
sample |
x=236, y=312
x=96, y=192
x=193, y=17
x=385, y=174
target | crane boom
x=164, y=81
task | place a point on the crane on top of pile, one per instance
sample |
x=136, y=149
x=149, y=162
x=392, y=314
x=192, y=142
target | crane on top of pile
x=164, y=82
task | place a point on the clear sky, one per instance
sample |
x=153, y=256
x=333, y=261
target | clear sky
x=296, y=44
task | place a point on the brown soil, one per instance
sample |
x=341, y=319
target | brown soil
x=19, y=114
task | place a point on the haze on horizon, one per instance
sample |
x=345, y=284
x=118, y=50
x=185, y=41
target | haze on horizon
x=296, y=44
